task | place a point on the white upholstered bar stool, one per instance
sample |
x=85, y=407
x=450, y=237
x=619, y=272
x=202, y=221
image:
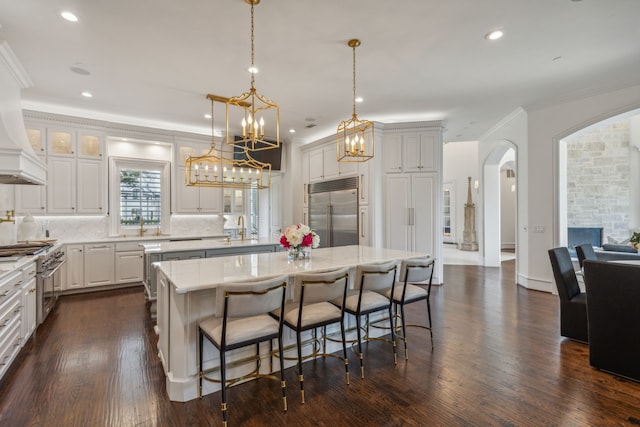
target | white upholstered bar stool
x=373, y=283
x=416, y=275
x=311, y=309
x=242, y=319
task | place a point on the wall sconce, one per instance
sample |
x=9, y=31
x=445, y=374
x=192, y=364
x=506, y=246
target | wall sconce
x=513, y=188
x=476, y=185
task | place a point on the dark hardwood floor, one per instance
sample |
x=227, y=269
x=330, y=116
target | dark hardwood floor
x=498, y=360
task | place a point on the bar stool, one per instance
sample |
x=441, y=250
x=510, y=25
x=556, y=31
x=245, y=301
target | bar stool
x=243, y=318
x=372, y=281
x=311, y=309
x=413, y=272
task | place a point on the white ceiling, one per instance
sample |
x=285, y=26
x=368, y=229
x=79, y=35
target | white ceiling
x=152, y=62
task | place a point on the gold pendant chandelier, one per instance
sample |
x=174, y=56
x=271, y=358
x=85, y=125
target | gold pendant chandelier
x=354, y=138
x=258, y=116
x=221, y=169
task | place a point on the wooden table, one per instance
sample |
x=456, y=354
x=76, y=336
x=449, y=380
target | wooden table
x=187, y=290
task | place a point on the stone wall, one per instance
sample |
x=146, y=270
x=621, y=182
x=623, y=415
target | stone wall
x=598, y=180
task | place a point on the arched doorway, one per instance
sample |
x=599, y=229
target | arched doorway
x=503, y=153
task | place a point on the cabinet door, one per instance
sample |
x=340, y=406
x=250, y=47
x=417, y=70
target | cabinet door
x=98, y=264
x=31, y=199
x=28, y=313
x=364, y=238
x=187, y=197
x=210, y=200
x=316, y=168
x=36, y=137
x=61, y=142
x=91, y=187
x=61, y=186
x=423, y=196
x=90, y=145
x=330, y=163
x=364, y=175
x=397, y=212
x=75, y=267
x=129, y=266
x=428, y=151
x=411, y=152
x=392, y=153
x=275, y=218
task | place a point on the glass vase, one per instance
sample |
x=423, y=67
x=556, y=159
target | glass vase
x=298, y=252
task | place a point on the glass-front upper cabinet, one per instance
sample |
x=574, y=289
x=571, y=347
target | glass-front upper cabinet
x=90, y=145
x=233, y=201
x=61, y=143
x=36, y=140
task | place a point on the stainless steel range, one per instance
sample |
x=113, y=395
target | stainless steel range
x=48, y=281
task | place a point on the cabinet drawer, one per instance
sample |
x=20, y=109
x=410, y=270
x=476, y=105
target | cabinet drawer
x=10, y=344
x=9, y=285
x=128, y=246
x=29, y=272
x=9, y=308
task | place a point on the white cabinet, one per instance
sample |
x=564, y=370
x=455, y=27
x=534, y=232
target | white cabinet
x=61, y=185
x=129, y=266
x=411, y=152
x=364, y=237
x=11, y=339
x=323, y=164
x=98, y=264
x=411, y=209
x=31, y=199
x=28, y=320
x=191, y=199
x=275, y=202
x=91, y=176
x=74, y=267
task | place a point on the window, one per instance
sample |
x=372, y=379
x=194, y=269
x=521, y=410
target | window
x=140, y=192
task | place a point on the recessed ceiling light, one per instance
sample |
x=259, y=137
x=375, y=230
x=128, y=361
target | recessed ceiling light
x=207, y=116
x=292, y=131
x=253, y=70
x=494, y=35
x=359, y=99
x=69, y=16
x=87, y=94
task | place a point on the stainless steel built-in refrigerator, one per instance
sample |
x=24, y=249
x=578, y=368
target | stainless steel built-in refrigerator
x=333, y=212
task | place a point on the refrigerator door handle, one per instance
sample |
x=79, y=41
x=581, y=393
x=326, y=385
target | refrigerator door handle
x=329, y=226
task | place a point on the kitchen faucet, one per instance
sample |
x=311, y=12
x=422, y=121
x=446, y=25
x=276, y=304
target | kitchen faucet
x=10, y=217
x=142, y=229
x=241, y=223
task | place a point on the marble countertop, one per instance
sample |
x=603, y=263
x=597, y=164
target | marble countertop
x=194, y=245
x=206, y=273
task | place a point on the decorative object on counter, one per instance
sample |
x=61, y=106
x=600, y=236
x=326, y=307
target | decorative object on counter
x=634, y=241
x=354, y=138
x=244, y=110
x=299, y=239
x=28, y=228
x=469, y=242
x=223, y=170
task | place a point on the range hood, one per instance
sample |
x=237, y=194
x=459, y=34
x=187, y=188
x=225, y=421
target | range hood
x=18, y=162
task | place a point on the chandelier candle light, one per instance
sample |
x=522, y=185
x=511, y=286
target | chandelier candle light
x=254, y=107
x=224, y=170
x=354, y=138
x=299, y=239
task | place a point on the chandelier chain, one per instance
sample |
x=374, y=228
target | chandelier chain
x=354, y=80
x=252, y=50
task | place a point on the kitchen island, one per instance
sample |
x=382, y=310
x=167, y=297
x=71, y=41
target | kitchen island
x=186, y=292
x=195, y=249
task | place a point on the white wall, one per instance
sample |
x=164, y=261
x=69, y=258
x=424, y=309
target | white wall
x=536, y=133
x=460, y=161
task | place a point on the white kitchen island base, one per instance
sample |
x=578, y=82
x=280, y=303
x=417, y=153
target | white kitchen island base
x=186, y=294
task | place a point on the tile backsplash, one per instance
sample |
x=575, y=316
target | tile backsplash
x=88, y=228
